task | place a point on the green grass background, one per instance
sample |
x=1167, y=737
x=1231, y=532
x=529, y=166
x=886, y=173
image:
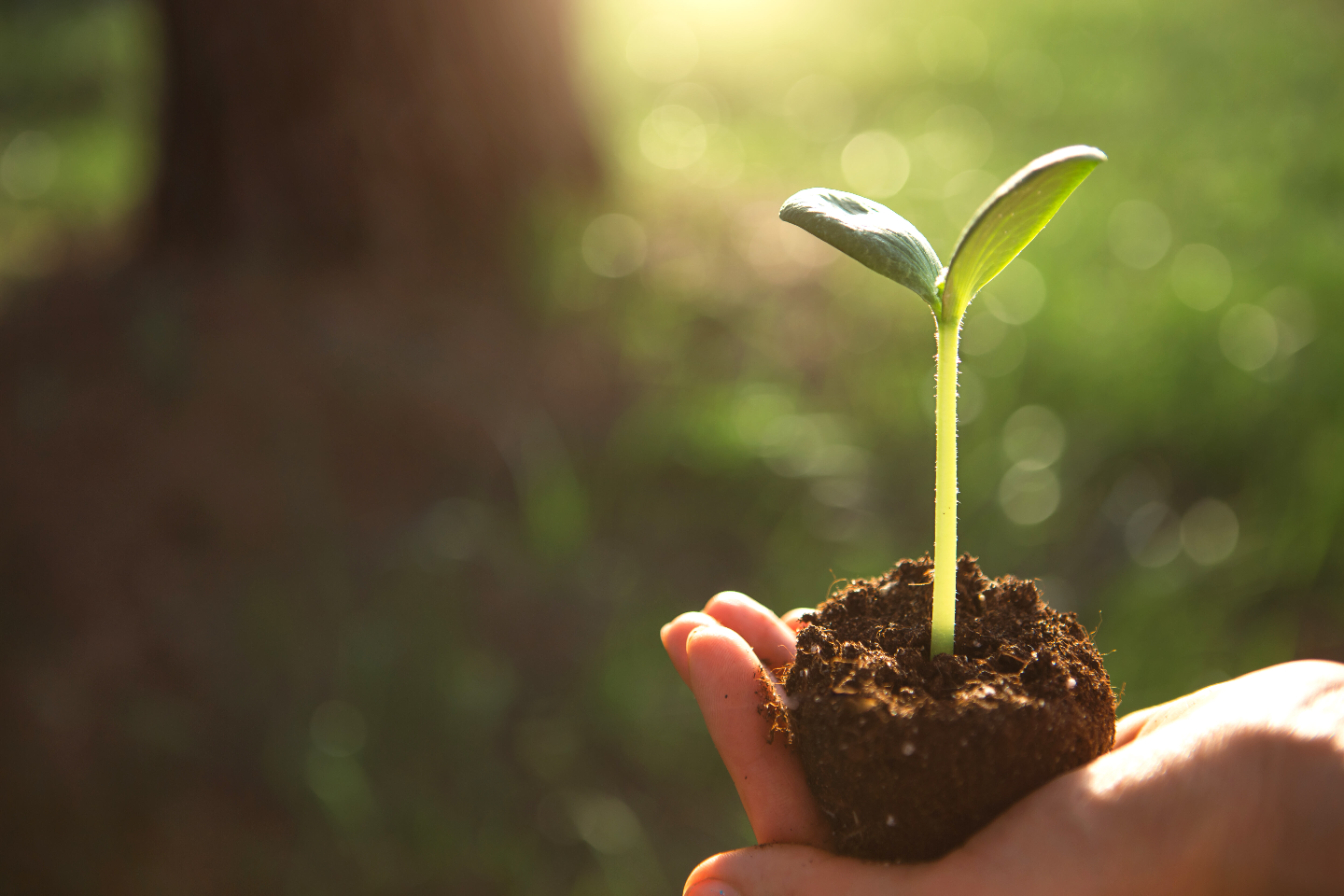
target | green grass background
x=781, y=433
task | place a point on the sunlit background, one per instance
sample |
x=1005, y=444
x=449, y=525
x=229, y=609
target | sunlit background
x=1151, y=418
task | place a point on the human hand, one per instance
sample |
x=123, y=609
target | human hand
x=1237, y=788
x=722, y=653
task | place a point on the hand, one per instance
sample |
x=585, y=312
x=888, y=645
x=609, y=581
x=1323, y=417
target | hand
x=722, y=654
x=1237, y=788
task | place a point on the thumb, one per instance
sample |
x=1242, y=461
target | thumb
x=786, y=870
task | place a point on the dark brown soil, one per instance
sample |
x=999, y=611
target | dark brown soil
x=907, y=756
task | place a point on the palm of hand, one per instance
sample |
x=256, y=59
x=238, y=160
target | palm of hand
x=1236, y=788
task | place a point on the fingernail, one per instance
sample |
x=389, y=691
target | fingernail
x=711, y=888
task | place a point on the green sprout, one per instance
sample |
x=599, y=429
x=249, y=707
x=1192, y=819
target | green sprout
x=884, y=241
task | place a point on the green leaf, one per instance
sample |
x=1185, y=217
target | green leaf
x=1010, y=219
x=870, y=233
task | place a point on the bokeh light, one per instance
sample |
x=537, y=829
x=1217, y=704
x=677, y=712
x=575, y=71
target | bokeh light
x=1034, y=437
x=1016, y=295
x=1029, y=494
x=1209, y=531
x=957, y=138
x=875, y=164
x=1140, y=234
x=1201, y=276
x=1249, y=336
x=614, y=245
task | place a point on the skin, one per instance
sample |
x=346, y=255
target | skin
x=1236, y=788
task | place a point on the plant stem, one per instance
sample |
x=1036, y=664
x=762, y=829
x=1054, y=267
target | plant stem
x=945, y=492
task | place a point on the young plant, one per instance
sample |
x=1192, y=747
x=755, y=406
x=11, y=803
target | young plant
x=884, y=241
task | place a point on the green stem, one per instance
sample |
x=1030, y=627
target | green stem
x=945, y=492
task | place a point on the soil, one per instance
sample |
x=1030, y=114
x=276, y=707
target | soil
x=909, y=756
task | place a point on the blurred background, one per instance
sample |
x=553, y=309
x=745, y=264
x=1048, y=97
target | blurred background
x=375, y=379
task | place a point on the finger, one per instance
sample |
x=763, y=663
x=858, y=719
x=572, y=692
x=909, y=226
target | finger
x=724, y=678
x=1047, y=844
x=794, y=618
x=786, y=870
x=1145, y=721
x=674, y=636
x=773, y=641
x=1129, y=727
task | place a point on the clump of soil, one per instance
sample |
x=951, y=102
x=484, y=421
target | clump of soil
x=909, y=756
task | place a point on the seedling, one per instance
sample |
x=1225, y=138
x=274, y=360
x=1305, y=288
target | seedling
x=1002, y=227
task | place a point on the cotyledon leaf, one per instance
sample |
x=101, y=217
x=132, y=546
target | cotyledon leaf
x=1010, y=219
x=871, y=233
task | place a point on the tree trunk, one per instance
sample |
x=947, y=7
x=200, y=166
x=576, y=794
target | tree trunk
x=225, y=468
x=332, y=128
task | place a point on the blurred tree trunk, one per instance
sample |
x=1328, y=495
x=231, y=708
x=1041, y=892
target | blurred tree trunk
x=215, y=459
x=331, y=128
